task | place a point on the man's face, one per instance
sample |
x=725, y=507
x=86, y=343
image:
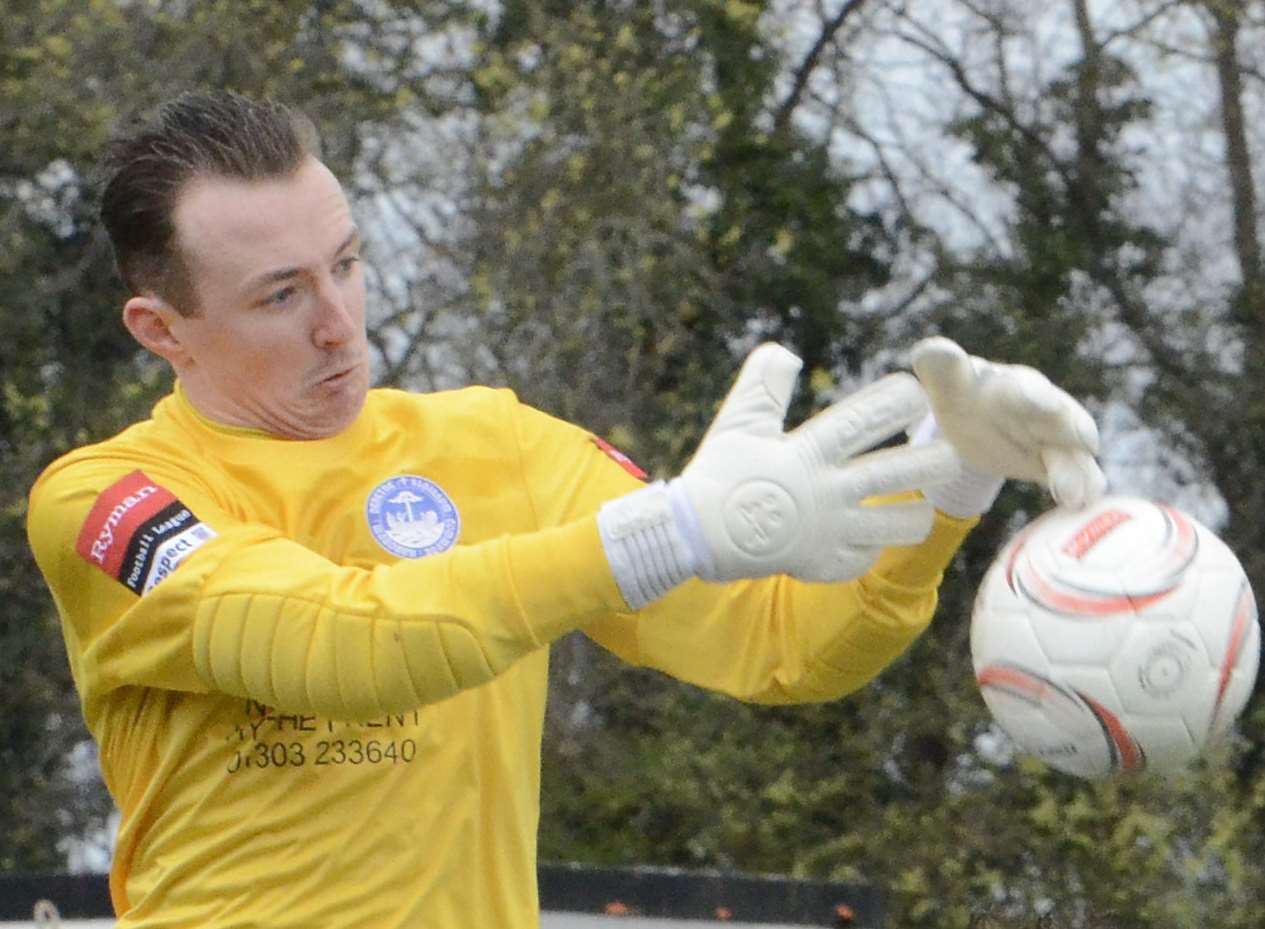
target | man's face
x=279, y=340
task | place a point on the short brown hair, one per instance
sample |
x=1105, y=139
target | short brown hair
x=207, y=134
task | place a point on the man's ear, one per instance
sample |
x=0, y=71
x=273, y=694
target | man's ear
x=155, y=324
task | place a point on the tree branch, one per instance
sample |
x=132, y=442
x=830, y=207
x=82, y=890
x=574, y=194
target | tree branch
x=829, y=29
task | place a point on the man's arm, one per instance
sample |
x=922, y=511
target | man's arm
x=779, y=640
x=242, y=610
x=253, y=614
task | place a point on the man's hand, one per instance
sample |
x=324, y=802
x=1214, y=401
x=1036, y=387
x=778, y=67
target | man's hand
x=756, y=501
x=1009, y=421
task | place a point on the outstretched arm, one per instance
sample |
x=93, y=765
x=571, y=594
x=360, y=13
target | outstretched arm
x=249, y=612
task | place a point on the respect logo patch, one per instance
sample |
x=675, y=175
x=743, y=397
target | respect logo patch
x=138, y=532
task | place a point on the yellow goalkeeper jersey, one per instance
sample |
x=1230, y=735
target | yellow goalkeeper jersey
x=316, y=670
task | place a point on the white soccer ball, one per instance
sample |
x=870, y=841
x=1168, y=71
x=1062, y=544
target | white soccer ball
x=1115, y=638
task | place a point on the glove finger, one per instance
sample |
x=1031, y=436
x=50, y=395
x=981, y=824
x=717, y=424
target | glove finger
x=757, y=402
x=1046, y=414
x=945, y=371
x=1074, y=477
x=863, y=419
x=897, y=470
x=907, y=522
x=1069, y=425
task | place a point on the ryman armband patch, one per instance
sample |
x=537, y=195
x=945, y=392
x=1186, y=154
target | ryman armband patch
x=138, y=532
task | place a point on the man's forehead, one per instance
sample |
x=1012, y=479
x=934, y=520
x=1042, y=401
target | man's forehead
x=221, y=219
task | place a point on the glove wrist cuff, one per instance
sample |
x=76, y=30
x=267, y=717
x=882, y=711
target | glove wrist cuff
x=646, y=547
x=968, y=495
x=691, y=530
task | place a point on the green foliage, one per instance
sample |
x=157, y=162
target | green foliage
x=636, y=215
x=584, y=235
x=643, y=230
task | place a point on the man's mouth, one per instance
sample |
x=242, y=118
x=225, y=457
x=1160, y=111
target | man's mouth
x=339, y=375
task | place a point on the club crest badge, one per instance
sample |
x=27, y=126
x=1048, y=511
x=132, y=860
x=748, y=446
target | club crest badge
x=412, y=517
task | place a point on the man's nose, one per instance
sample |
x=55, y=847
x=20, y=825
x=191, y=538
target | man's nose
x=336, y=320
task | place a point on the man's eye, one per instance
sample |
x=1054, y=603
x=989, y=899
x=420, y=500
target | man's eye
x=345, y=265
x=281, y=297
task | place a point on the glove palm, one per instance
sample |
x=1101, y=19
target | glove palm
x=770, y=502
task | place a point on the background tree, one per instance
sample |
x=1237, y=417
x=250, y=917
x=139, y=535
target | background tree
x=603, y=204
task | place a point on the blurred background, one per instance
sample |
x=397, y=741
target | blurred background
x=604, y=205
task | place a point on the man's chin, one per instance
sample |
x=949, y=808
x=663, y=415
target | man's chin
x=331, y=413
x=341, y=411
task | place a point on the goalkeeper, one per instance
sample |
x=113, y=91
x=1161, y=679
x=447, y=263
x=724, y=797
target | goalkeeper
x=308, y=621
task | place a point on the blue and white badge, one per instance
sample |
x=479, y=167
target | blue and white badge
x=412, y=517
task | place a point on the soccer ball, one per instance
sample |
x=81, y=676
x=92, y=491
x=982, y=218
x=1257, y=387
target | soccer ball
x=1115, y=638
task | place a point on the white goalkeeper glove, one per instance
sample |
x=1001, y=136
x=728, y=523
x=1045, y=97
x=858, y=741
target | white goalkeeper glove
x=756, y=501
x=1006, y=421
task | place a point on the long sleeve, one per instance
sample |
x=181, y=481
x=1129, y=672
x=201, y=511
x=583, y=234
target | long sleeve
x=775, y=640
x=251, y=613
x=783, y=641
